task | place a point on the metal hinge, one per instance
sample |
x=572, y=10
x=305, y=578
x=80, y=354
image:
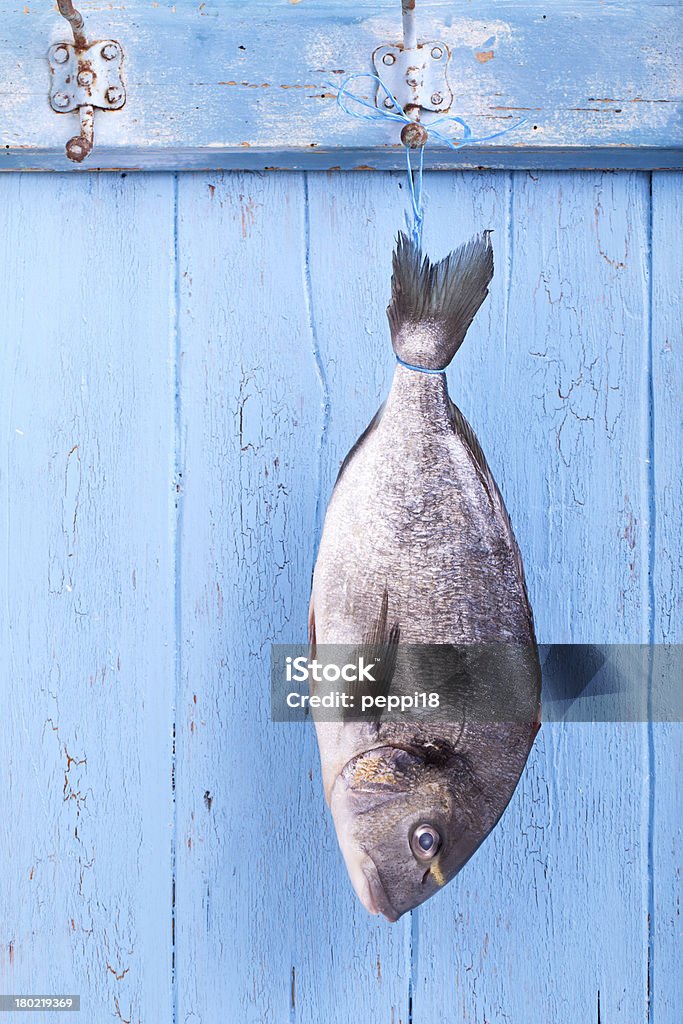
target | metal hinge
x=84, y=78
x=416, y=74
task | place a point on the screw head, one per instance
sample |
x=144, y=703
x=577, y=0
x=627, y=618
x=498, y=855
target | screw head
x=85, y=78
x=114, y=94
x=437, y=98
x=61, y=100
x=60, y=55
x=110, y=51
x=388, y=58
x=414, y=135
x=437, y=52
x=388, y=103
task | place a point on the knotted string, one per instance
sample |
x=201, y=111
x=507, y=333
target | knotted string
x=395, y=112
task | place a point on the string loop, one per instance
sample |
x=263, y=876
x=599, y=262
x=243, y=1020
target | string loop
x=393, y=111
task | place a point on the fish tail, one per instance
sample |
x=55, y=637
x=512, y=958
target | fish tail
x=433, y=304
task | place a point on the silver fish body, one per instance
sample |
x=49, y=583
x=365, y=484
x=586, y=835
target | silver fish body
x=417, y=549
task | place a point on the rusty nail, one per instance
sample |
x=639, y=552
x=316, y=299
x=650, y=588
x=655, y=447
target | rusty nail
x=85, y=78
x=60, y=55
x=110, y=51
x=388, y=102
x=437, y=98
x=60, y=99
x=412, y=82
x=114, y=94
x=388, y=58
x=414, y=135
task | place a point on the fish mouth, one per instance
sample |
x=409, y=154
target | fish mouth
x=365, y=880
x=374, y=898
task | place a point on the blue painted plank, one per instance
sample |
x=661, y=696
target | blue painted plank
x=572, y=304
x=666, y=765
x=224, y=84
x=262, y=929
x=86, y=578
x=553, y=400
x=552, y=910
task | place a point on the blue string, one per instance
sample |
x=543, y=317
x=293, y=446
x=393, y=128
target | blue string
x=396, y=113
x=419, y=369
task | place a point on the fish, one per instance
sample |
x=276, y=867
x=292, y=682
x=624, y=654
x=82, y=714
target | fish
x=417, y=556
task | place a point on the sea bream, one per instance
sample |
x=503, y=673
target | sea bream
x=417, y=549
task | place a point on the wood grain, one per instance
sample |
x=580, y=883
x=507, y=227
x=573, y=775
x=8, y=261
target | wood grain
x=265, y=923
x=551, y=915
x=666, y=738
x=86, y=578
x=224, y=84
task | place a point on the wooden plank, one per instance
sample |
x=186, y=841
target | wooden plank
x=666, y=779
x=86, y=578
x=353, y=219
x=550, y=916
x=265, y=917
x=224, y=84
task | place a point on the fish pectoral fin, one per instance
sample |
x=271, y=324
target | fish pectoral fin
x=311, y=628
x=312, y=685
x=377, y=656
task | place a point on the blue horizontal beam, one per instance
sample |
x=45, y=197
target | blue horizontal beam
x=234, y=85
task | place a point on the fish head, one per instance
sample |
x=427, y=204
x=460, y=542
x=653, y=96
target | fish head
x=401, y=826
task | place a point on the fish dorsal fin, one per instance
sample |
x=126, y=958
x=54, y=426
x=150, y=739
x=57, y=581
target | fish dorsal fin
x=469, y=439
x=371, y=427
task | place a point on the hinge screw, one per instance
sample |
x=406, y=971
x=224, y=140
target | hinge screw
x=437, y=98
x=388, y=58
x=85, y=78
x=388, y=102
x=437, y=53
x=60, y=99
x=114, y=94
x=61, y=55
x=110, y=51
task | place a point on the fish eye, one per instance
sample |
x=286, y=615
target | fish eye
x=425, y=842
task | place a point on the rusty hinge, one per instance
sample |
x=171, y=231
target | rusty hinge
x=84, y=77
x=416, y=73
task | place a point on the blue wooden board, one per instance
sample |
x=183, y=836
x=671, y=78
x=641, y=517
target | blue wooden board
x=173, y=415
x=222, y=83
x=86, y=609
x=666, y=598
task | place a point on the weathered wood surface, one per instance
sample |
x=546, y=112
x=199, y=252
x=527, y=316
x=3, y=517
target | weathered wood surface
x=213, y=368
x=666, y=599
x=228, y=84
x=86, y=592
